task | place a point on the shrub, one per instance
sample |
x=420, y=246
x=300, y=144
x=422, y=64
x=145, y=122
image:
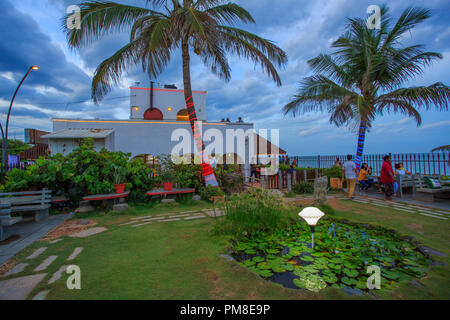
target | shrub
x=84, y=171
x=207, y=192
x=303, y=187
x=229, y=178
x=252, y=212
x=333, y=172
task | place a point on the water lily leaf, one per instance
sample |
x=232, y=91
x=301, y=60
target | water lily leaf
x=348, y=281
x=311, y=282
x=264, y=273
x=352, y=273
x=330, y=278
x=307, y=258
x=258, y=259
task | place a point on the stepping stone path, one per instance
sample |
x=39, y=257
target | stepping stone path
x=75, y=253
x=17, y=269
x=46, y=263
x=88, y=232
x=406, y=207
x=37, y=252
x=172, y=217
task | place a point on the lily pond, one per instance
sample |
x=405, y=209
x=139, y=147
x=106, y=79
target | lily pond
x=341, y=255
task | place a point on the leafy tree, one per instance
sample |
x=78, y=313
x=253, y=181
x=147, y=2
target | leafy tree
x=202, y=26
x=15, y=146
x=365, y=76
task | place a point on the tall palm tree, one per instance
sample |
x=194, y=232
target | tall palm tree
x=202, y=26
x=364, y=76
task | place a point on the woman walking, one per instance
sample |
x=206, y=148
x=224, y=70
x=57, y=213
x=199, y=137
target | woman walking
x=387, y=178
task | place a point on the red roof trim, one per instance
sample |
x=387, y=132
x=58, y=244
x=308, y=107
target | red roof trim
x=171, y=90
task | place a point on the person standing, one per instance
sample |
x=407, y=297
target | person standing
x=350, y=172
x=387, y=178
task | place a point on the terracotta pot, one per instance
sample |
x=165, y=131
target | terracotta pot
x=168, y=185
x=120, y=188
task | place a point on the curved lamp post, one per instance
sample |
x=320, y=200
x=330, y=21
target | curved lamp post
x=311, y=215
x=5, y=132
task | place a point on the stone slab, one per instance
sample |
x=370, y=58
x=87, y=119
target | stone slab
x=88, y=232
x=75, y=253
x=194, y=217
x=151, y=219
x=218, y=213
x=55, y=241
x=168, y=200
x=120, y=207
x=37, y=252
x=180, y=216
x=17, y=269
x=41, y=295
x=85, y=209
x=19, y=288
x=139, y=218
x=168, y=220
x=430, y=215
x=196, y=197
x=57, y=275
x=45, y=263
x=141, y=224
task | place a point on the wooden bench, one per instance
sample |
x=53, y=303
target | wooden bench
x=421, y=191
x=37, y=202
x=107, y=199
x=404, y=181
x=162, y=192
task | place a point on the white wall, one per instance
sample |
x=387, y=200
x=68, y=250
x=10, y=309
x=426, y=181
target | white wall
x=163, y=99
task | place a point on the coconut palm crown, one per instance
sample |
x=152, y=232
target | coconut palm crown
x=364, y=77
x=162, y=27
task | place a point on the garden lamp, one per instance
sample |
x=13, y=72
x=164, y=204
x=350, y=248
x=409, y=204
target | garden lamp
x=311, y=215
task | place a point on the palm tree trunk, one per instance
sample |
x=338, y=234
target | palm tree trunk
x=208, y=172
x=360, y=145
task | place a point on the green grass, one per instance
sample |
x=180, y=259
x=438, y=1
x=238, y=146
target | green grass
x=180, y=260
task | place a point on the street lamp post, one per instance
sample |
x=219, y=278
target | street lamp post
x=5, y=132
x=311, y=215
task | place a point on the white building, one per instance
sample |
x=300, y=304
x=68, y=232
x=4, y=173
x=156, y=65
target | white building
x=156, y=117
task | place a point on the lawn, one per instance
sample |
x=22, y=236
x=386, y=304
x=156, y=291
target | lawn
x=180, y=260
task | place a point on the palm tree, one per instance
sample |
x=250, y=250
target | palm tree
x=202, y=26
x=364, y=76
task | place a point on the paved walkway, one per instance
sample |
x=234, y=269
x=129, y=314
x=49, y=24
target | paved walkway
x=29, y=231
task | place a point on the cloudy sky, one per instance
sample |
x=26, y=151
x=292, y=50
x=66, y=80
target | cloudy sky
x=31, y=35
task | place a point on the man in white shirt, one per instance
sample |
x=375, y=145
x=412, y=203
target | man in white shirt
x=350, y=172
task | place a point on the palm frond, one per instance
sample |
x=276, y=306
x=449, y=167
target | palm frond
x=398, y=106
x=230, y=13
x=98, y=18
x=437, y=94
x=317, y=91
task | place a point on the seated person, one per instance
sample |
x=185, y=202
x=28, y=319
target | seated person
x=364, y=182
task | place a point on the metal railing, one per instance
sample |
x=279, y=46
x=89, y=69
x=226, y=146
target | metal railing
x=436, y=163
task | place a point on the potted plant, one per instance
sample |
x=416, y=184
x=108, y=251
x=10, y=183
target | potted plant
x=167, y=178
x=119, y=179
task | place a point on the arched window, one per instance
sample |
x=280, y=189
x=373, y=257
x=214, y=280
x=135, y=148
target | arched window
x=182, y=115
x=153, y=114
